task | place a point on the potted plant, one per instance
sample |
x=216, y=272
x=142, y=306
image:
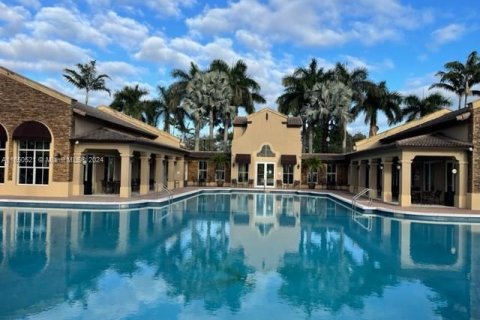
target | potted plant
x=311, y=164
x=220, y=159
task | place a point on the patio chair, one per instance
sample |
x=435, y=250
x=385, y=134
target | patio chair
x=234, y=182
x=250, y=183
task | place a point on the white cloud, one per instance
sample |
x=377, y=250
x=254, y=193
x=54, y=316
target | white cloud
x=312, y=23
x=168, y=8
x=35, y=4
x=356, y=62
x=61, y=23
x=44, y=53
x=156, y=49
x=251, y=40
x=12, y=19
x=125, y=32
x=449, y=33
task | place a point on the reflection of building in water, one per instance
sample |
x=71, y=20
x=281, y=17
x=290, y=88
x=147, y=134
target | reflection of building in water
x=266, y=226
x=46, y=250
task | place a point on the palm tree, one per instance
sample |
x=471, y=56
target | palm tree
x=316, y=110
x=86, y=78
x=460, y=78
x=179, y=87
x=246, y=91
x=151, y=112
x=129, y=101
x=219, y=93
x=356, y=80
x=295, y=98
x=416, y=108
x=168, y=108
x=196, y=103
x=340, y=100
x=379, y=99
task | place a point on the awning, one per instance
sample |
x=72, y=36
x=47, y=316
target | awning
x=242, y=158
x=3, y=134
x=32, y=130
x=288, y=159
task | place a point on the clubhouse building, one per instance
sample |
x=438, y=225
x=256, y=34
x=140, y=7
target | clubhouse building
x=53, y=146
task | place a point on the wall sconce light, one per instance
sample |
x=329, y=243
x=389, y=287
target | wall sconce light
x=454, y=171
x=77, y=142
x=399, y=167
x=298, y=166
x=233, y=164
x=470, y=149
x=381, y=167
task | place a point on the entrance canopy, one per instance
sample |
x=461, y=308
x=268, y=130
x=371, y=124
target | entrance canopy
x=288, y=159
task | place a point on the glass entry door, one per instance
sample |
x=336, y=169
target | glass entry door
x=265, y=174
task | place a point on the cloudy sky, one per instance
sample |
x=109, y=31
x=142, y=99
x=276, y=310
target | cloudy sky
x=402, y=42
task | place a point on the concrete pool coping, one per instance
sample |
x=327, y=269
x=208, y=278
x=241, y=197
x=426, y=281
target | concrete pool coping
x=105, y=202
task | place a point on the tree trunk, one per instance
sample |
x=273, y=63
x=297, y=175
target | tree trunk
x=86, y=97
x=304, y=137
x=166, y=124
x=310, y=139
x=225, y=134
x=466, y=96
x=373, y=127
x=344, y=141
x=459, y=101
x=197, y=136
x=211, y=128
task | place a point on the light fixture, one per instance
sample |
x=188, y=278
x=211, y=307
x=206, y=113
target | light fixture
x=233, y=164
x=454, y=171
x=470, y=149
x=381, y=167
x=77, y=142
x=399, y=166
x=328, y=139
x=298, y=166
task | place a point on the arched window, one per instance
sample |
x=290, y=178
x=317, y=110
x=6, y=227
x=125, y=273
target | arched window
x=266, y=151
x=33, y=152
x=3, y=159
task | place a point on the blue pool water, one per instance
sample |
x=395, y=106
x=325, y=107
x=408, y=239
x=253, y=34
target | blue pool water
x=235, y=256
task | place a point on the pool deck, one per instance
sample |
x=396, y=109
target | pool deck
x=162, y=196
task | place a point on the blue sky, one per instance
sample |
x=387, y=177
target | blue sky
x=402, y=42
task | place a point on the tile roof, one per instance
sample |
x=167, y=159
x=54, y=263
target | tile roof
x=294, y=122
x=429, y=126
x=432, y=141
x=240, y=121
x=92, y=112
x=106, y=135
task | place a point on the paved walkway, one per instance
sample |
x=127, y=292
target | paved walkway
x=344, y=195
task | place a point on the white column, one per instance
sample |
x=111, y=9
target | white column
x=461, y=185
x=171, y=173
x=77, y=178
x=387, y=180
x=180, y=172
x=405, y=198
x=159, y=171
x=144, y=173
x=125, y=175
x=372, y=178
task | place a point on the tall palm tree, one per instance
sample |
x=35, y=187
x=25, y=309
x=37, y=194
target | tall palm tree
x=129, y=101
x=340, y=100
x=460, y=78
x=246, y=91
x=151, y=112
x=196, y=104
x=416, y=108
x=86, y=78
x=182, y=77
x=379, y=99
x=219, y=93
x=294, y=99
x=356, y=80
x=316, y=110
x=168, y=108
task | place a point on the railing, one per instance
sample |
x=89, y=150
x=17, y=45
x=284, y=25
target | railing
x=361, y=194
x=169, y=192
x=363, y=220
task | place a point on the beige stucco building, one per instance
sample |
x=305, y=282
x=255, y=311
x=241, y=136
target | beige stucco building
x=52, y=145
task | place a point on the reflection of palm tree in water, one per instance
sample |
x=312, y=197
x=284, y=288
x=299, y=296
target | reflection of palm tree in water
x=203, y=267
x=323, y=275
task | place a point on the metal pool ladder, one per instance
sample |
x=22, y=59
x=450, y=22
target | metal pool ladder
x=170, y=193
x=360, y=194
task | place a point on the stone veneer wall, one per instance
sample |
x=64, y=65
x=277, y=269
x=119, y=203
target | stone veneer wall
x=474, y=176
x=193, y=172
x=20, y=103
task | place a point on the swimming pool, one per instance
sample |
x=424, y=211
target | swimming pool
x=236, y=255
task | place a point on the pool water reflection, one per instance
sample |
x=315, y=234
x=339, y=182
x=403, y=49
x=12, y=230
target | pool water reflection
x=235, y=256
